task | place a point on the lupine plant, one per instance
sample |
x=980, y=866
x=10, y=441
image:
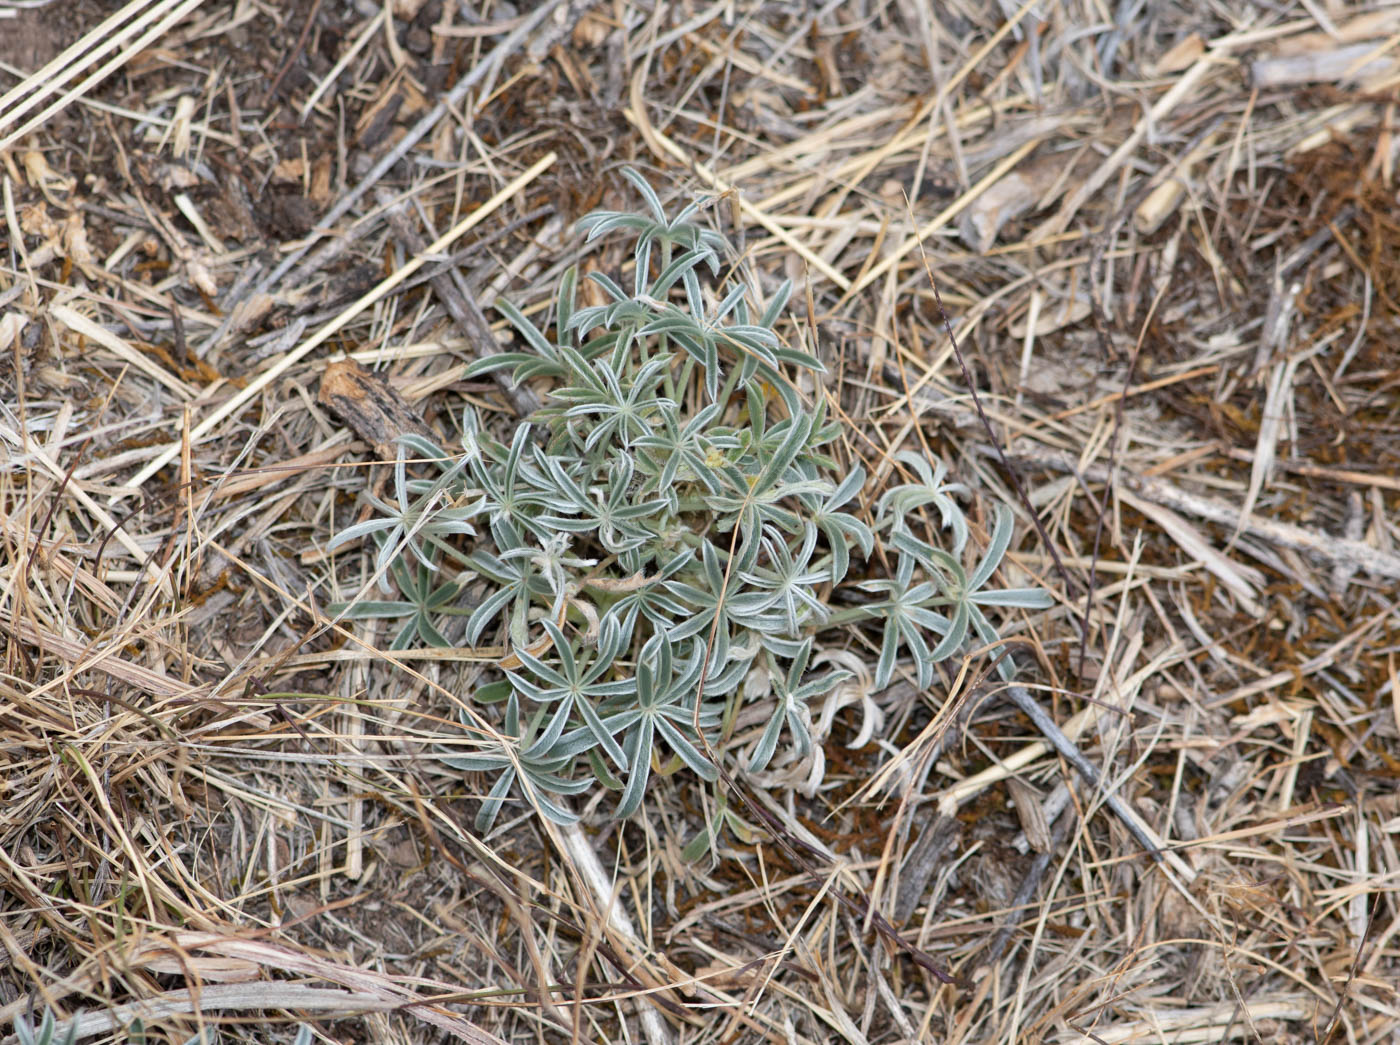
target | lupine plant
x=673, y=520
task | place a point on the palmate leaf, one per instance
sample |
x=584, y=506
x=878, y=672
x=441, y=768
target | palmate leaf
x=842, y=530
x=791, y=695
x=538, y=776
x=714, y=615
x=657, y=228
x=573, y=683
x=968, y=599
x=522, y=583
x=646, y=597
x=906, y=615
x=611, y=511
x=424, y=601
x=787, y=585
x=698, y=341
x=420, y=523
x=676, y=451
x=617, y=413
x=663, y=707
x=508, y=498
x=909, y=606
x=751, y=501
x=898, y=503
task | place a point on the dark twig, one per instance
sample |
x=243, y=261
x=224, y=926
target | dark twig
x=294, y=54
x=938, y=837
x=1067, y=749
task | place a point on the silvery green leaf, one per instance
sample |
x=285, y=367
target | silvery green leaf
x=1016, y=598
x=600, y=223
x=526, y=329
x=648, y=193
x=610, y=286
x=776, y=306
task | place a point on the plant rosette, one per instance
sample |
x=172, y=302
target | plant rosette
x=669, y=539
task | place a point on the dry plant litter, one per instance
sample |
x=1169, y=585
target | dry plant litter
x=1129, y=269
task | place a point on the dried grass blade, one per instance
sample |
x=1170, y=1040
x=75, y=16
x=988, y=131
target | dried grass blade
x=138, y=45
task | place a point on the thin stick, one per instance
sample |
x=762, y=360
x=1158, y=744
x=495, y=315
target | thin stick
x=1137, y=827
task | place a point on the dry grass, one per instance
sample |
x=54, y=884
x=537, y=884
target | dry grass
x=1165, y=238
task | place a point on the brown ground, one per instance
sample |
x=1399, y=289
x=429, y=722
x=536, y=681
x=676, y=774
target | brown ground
x=1165, y=237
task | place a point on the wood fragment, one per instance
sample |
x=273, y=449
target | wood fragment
x=1358, y=64
x=1007, y=200
x=370, y=405
x=938, y=838
x=1028, y=812
x=1161, y=203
